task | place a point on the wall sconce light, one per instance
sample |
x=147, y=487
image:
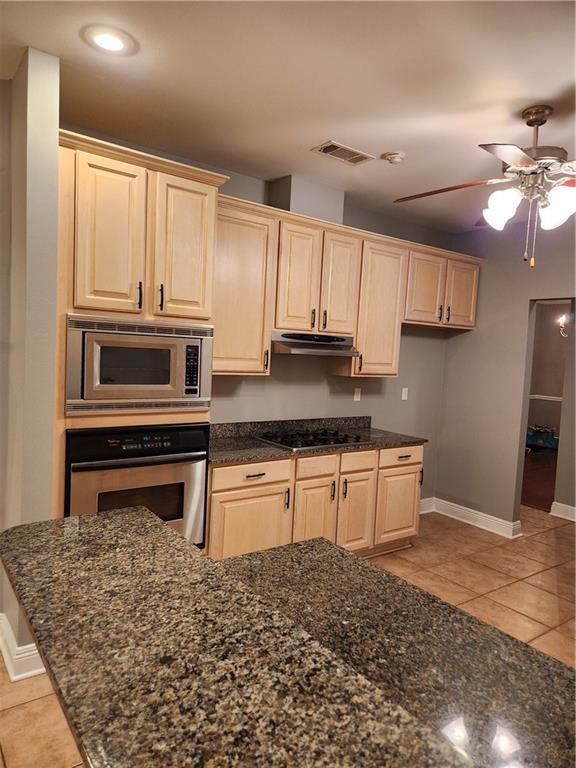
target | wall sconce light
x=563, y=322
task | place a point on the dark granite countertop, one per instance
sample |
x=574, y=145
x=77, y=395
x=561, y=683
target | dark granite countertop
x=237, y=443
x=162, y=659
x=437, y=662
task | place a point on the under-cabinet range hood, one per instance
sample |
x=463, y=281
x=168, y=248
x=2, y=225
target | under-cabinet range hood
x=296, y=343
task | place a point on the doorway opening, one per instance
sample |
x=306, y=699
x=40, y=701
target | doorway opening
x=552, y=330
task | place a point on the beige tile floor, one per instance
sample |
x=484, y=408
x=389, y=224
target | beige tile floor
x=524, y=587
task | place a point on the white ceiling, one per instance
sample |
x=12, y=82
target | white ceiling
x=253, y=86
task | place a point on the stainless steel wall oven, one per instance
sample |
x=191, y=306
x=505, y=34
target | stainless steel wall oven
x=163, y=468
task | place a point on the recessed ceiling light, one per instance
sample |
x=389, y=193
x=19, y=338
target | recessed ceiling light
x=109, y=39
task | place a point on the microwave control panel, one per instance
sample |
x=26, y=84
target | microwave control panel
x=192, y=364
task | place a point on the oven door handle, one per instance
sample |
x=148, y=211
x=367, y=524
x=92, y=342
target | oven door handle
x=135, y=461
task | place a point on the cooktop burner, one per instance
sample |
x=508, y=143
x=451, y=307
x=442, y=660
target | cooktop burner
x=306, y=439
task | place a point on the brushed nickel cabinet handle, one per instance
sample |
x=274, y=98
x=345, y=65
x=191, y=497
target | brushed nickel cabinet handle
x=324, y=319
x=345, y=489
x=287, y=502
x=448, y=315
x=332, y=490
x=139, y=294
x=256, y=474
x=440, y=312
x=313, y=319
x=266, y=359
x=422, y=476
x=405, y=456
x=161, y=297
x=360, y=361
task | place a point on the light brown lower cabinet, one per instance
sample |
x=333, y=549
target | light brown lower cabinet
x=345, y=499
x=398, y=503
x=356, y=508
x=250, y=519
x=315, y=508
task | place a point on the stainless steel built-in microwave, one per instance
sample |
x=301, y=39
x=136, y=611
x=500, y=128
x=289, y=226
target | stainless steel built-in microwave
x=116, y=365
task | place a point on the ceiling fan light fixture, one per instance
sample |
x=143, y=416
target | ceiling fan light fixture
x=561, y=205
x=502, y=205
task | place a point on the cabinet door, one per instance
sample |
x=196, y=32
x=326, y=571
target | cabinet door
x=244, y=284
x=397, y=506
x=425, y=292
x=184, y=228
x=356, y=509
x=250, y=520
x=381, y=309
x=299, y=267
x=110, y=234
x=340, y=283
x=315, y=506
x=461, y=293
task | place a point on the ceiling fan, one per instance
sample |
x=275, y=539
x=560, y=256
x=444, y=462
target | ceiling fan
x=541, y=175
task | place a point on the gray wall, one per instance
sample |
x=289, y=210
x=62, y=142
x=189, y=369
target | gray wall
x=5, y=214
x=565, y=470
x=373, y=221
x=550, y=348
x=485, y=408
x=302, y=195
x=33, y=268
x=303, y=387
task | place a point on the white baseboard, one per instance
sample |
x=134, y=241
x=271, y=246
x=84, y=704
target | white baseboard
x=427, y=505
x=510, y=530
x=21, y=660
x=563, y=510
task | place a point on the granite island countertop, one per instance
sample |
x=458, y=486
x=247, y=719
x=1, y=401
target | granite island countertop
x=238, y=443
x=437, y=662
x=161, y=658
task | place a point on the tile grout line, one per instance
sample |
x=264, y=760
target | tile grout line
x=28, y=701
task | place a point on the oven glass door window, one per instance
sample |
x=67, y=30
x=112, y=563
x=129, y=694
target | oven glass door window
x=129, y=366
x=166, y=501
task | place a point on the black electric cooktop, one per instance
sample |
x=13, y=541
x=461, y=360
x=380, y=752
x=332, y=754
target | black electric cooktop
x=305, y=439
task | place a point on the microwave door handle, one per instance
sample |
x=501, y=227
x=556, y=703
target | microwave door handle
x=138, y=461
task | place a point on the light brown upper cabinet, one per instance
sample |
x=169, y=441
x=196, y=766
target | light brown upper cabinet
x=382, y=291
x=340, y=280
x=426, y=287
x=244, y=284
x=184, y=228
x=299, y=270
x=441, y=291
x=318, y=279
x=461, y=293
x=110, y=234
x=144, y=230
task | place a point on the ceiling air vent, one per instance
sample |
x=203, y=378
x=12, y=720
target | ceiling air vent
x=340, y=152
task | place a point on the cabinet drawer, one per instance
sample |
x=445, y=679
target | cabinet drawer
x=359, y=460
x=245, y=475
x=316, y=466
x=391, y=457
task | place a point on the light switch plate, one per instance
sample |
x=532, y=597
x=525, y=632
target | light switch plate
x=357, y=393
x=404, y=393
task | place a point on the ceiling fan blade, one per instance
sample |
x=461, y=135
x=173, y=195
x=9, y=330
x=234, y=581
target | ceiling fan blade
x=451, y=189
x=509, y=154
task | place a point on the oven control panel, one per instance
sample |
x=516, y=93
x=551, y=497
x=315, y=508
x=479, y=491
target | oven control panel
x=117, y=443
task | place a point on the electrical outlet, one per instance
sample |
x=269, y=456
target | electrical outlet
x=357, y=393
x=404, y=393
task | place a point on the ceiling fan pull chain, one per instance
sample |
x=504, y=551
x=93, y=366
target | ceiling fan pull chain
x=535, y=225
x=528, y=230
